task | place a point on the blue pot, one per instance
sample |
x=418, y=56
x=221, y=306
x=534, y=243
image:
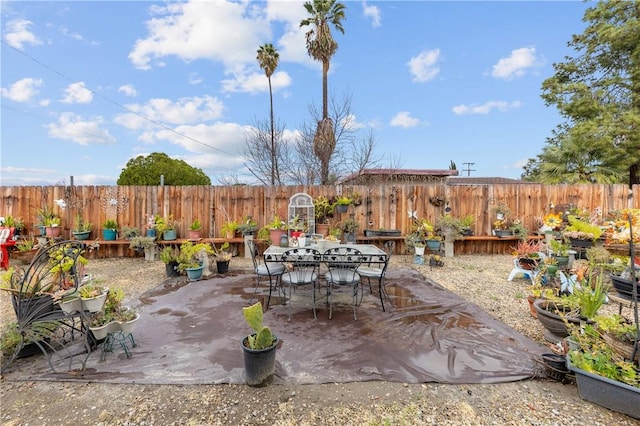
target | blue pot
x=194, y=274
x=169, y=235
x=109, y=234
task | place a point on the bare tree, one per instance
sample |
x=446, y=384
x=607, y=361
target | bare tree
x=264, y=152
x=352, y=152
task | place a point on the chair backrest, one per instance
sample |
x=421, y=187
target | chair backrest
x=341, y=260
x=55, y=270
x=253, y=248
x=389, y=248
x=301, y=263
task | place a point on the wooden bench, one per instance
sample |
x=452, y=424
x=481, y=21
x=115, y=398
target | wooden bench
x=120, y=248
x=488, y=244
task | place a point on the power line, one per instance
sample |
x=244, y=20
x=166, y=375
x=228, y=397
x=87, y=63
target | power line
x=157, y=123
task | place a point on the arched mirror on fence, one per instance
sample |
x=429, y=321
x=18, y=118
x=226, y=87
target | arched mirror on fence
x=301, y=215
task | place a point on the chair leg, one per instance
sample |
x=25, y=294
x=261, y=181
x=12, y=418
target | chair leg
x=355, y=300
x=380, y=291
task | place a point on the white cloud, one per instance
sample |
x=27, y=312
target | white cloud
x=194, y=78
x=424, y=66
x=128, y=90
x=404, y=119
x=372, y=12
x=221, y=142
x=17, y=34
x=351, y=122
x=223, y=31
x=75, y=128
x=77, y=93
x=255, y=82
x=516, y=64
x=185, y=110
x=22, y=90
x=485, y=108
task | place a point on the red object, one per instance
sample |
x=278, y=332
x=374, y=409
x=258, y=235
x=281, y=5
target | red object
x=4, y=255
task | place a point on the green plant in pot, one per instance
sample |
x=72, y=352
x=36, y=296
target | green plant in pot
x=349, y=228
x=169, y=257
x=342, y=203
x=248, y=226
x=110, y=230
x=259, y=348
x=166, y=226
x=229, y=228
x=222, y=257
x=81, y=228
x=195, y=229
x=191, y=253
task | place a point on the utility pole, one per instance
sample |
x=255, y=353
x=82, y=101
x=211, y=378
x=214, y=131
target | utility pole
x=468, y=168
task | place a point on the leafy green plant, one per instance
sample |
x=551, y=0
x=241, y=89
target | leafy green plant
x=168, y=254
x=262, y=338
x=130, y=232
x=590, y=298
x=230, y=227
x=165, y=224
x=195, y=225
x=559, y=248
x=81, y=226
x=323, y=209
x=349, y=226
x=248, y=226
x=277, y=223
x=344, y=200
x=110, y=224
x=142, y=243
x=90, y=291
x=222, y=254
x=189, y=254
x=581, y=229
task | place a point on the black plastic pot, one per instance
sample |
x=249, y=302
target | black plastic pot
x=171, y=269
x=223, y=266
x=259, y=364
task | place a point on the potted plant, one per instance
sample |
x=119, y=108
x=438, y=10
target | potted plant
x=229, y=228
x=190, y=258
x=560, y=251
x=528, y=253
x=467, y=223
x=45, y=215
x=501, y=211
x=349, y=228
x=113, y=317
x=342, y=203
x=169, y=257
x=323, y=211
x=195, y=230
x=259, y=348
x=130, y=232
x=222, y=257
x=93, y=297
x=449, y=226
x=109, y=230
x=81, y=229
x=166, y=227
x=26, y=249
x=248, y=226
x=277, y=228
x=603, y=376
x=52, y=227
x=146, y=244
x=581, y=233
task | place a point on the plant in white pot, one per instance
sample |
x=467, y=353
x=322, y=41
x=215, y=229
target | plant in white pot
x=259, y=348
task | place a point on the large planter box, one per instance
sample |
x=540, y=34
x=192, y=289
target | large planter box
x=616, y=396
x=624, y=287
x=382, y=233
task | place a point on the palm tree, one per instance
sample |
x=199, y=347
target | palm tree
x=321, y=47
x=268, y=58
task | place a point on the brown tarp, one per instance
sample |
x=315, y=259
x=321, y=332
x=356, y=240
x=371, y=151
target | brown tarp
x=191, y=334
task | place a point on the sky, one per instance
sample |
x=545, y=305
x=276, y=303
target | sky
x=86, y=85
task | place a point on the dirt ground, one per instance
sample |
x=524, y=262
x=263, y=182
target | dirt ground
x=537, y=401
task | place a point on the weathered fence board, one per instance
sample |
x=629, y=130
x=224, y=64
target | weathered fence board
x=383, y=206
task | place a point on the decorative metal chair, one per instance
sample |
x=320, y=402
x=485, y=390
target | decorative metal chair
x=375, y=268
x=301, y=266
x=342, y=264
x=271, y=270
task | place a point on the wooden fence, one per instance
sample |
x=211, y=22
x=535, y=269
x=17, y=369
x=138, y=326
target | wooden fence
x=383, y=206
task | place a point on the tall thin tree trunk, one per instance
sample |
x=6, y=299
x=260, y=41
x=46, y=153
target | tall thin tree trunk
x=273, y=139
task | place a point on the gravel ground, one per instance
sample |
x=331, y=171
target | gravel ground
x=481, y=279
